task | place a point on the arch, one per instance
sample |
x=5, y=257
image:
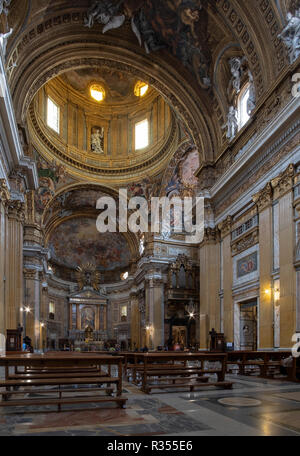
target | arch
x=58, y=53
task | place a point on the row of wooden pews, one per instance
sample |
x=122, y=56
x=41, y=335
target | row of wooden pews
x=66, y=373
x=158, y=371
x=264, y=363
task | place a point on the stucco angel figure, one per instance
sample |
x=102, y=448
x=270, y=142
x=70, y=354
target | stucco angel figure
x=3, y=6
x=236, y=70
x=290, y=35
x=105, y=13
x=3, y=40
x=97, y=141
x=232, y=123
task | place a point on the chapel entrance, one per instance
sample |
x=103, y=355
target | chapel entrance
x=248, y=325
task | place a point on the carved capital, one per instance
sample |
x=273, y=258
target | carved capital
x=225, y=226
x=264, y=198
x=4, y=192
x=211, y=235
x=16, y=210
x=284, y=182
x=30, y=274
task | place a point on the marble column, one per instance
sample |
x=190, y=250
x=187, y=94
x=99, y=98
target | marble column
x=155, y=312
x=33, y=301
x=4, y=198
x=209, y=285
x=135, y=321
x=283, y=192
x=263, y=200
x=14, y=264
x=227, y=280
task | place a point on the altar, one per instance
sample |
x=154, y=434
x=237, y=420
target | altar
x=88, y=311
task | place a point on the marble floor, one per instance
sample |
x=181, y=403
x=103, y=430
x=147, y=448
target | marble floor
x=254, y=407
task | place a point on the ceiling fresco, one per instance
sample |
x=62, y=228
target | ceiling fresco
x=179, y=26
x=118, y=85
x=77, y=241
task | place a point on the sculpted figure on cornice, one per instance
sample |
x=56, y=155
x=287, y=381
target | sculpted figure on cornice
x=231, y=124
x=290, y=35
x=235, y=64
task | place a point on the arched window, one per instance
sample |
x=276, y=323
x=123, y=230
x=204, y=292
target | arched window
x=142, y=134
x=53, y=115
x=242, y=106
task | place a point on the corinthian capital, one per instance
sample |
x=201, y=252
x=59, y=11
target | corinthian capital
x=284, y=182
x=4, y=192
x=225, y=226
x=264, y=198
x=16, y=210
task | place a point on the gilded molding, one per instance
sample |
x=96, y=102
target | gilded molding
x=245, y=242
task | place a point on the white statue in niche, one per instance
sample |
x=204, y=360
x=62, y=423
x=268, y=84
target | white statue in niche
x=290, y=35
x=231, y=124
x=97, y=140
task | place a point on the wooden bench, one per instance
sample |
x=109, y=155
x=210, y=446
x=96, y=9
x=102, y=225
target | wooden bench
x=46, y=377
x=182, y=375
x=267, y=362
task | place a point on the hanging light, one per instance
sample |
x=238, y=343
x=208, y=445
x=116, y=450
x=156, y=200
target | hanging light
x=140, y=89
x=97, y=92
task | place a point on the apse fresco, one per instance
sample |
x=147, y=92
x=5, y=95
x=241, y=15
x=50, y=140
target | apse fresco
x=77, y=241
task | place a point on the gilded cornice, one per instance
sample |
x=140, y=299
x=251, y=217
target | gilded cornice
x=264, y=198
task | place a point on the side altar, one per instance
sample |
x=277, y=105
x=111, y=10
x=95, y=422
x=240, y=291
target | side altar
x=88, y=311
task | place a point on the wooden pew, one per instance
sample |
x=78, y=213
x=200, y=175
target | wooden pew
x=59, y=379
x=178, y=375
x=267, y=362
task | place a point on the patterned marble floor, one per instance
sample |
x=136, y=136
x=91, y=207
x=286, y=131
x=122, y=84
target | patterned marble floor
x=254, y=407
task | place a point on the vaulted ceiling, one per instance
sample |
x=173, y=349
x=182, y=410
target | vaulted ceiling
x=189, y=40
